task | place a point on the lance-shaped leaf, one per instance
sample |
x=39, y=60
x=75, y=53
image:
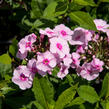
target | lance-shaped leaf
x=36, y=11
x=50, y=10
x=84, y=2
x=65, y=98
x=61, y=8
x=83, y=19
x=76, y=101
x=105, y=86
x=88, y=93
x=13, y=47
x=43, y=91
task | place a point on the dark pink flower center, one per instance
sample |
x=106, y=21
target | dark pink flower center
x=46, y=61
x=23, y=77
x=74, y=60
x=97, y=67
x=88, y=71
x=63, y=33
x=78, y=37
x=28, y=44
x=59, y=46
x=34, y=70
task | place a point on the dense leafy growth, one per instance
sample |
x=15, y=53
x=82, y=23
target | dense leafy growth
x=49, y=92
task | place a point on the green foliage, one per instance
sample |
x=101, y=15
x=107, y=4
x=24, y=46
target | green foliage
x=55, y=71
x=36, y=11
x=4, y=69
x=50, y=92
x=43, y=92
x=5, y=59
x=105, y=87
x=13, y=47
x=84, y=2
x=88, y=93
x=50, y=10
x=61, y=8
x=65, y=98
x=76, y=101
x=83, y=19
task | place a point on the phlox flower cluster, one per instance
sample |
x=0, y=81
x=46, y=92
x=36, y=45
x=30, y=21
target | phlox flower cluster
x=56, y=53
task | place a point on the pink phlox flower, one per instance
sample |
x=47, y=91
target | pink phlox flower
x=67, y=60
x=49, y=32
x=80, y=49
x=97, y=65
x=75, y=60
x=25, y=45
x=101, y=25
x=81, y=36
x=63, y=71
x=32, y=65
x=22, y=77
x=59, y=46
x=21, y=55
x=46, y=61
x=86, y=72
x=63, y=32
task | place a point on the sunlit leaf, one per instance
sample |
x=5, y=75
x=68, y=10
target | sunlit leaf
x=5, y=59
x=83, y=19
x=88, y=93
x=43, y=91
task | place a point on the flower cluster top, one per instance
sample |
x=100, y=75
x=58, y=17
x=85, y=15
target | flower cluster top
x=64, y=49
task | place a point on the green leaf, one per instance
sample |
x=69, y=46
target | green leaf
x=4, y=69
x=43, y=91
x=88, y=93
x=105, y=86
x=26, y=21
x=83, y=19
x=6, y=90
x=37, y=23
x=70, y=79
x=37, y=105
x=103, y=104
x=13, y=47
x=76, y=101
x=55, y=71
x=61, y=8
x=84, y=2
x=5, y=59
x=50, y=10
x=36, y=11
x=3, y=83
x=49, y=1
x=75, y=7
x=65, y=98
x=24, y=62
x=33, y=105
x=107, y=105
